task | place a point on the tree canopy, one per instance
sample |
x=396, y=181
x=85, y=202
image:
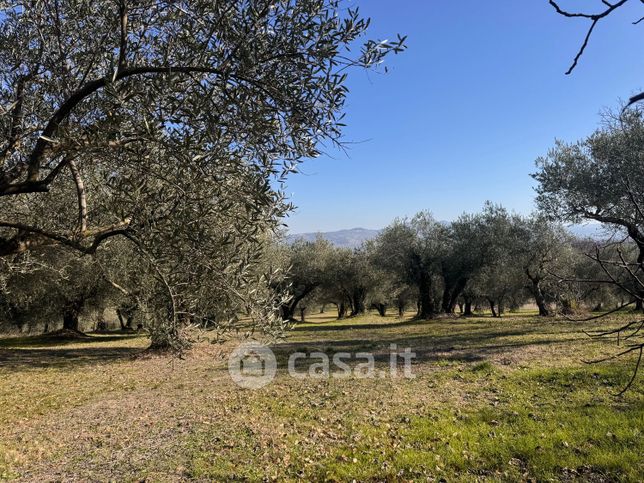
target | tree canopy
x=133, y=89
x=172, y=126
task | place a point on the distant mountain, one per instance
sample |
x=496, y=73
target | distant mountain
x=354, y=237
x=351, y=238
x=588, y=230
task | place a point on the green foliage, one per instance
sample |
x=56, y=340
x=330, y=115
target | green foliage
x=41, y=286
x=493, y=257
x=599, y=178
x=412, y=251
x=173, y=128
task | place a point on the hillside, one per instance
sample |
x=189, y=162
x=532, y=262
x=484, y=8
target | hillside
x=354, y=237
x=351, y=238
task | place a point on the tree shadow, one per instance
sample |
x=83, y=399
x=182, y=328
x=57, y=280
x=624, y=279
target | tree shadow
x=470, y=344
x=19, y=354
x=339, y=325
x=46, y=340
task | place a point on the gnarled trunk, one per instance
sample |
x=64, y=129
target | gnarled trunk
x=400, y=305
x=541, y=302
x=425, y=303
x=467, y=311
x=451, y=295
x=447, y=296
x=358, y=302
x=342, y=310
x=537, y=293
x=492, y=307
x=381, y=308
x=287, y=310
x=126, y=317
x=71, y=312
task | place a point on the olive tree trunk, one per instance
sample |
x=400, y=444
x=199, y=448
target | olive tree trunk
x=425, y=302
x=71, y=313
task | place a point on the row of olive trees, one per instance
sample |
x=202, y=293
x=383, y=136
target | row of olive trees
x=499, y=259
x=494, y=260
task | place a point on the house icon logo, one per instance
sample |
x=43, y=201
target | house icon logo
x=252, y=365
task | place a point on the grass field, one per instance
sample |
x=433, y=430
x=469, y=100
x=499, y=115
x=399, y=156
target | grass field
x=499, y=400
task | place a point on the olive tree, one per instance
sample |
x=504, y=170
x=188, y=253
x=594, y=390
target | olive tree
x=307, y=270
x=412, y=250
x=172, y=125
x=354, y=281
x=464, y=258
x=601, y=178
x=333, y=288
x=49, y=290
x=81, y=82
x=500, y=279
x=546, y=255
x=594, y=18
x=588, y=280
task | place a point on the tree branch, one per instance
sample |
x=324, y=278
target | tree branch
x=16, y=113
x=123, y=43
x=581, y=50
x=45, y=139
x=82, y=199
x=595, y=17
x=21, y=243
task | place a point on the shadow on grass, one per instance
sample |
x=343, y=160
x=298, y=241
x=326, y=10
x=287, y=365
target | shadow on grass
x=393, y=322
x=23, y=353
x=22, y=359
x=456, y=340
x=46, y=340
x=349, y=324
x=463, y=344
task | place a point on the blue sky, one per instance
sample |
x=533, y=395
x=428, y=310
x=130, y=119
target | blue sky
x=462, y=114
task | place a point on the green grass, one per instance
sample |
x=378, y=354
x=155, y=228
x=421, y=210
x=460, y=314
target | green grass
x=541, y=434
x=498, y=400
